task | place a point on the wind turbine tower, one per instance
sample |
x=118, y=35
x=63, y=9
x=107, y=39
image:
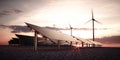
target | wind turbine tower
x=71, y=28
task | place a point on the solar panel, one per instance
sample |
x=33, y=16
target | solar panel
x=95, y=42
x=83, y=40
x=52, y=34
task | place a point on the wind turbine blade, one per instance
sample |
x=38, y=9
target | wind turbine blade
x=70, y=26
x=87, y=21
x=92, y=14
x=97, y=21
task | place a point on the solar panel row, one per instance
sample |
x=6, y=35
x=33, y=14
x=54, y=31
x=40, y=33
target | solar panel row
x=57, y=35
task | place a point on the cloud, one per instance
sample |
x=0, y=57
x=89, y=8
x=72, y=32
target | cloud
x=110, y=39
x=16, y=28
x=9, y=12
x=18, y=11
x=19, y=28
x=3, y=14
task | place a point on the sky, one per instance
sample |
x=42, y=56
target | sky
x=61, y=13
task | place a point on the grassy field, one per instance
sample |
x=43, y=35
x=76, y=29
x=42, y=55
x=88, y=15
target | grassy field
x=27, y=53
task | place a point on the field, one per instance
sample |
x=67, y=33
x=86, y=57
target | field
x=27, y=53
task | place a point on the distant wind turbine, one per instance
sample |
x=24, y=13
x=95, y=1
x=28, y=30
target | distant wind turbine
x=93, y=27
x=71, y=28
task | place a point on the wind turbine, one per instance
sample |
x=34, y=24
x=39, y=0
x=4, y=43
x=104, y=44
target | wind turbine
x=93, y=25
x=71, y=28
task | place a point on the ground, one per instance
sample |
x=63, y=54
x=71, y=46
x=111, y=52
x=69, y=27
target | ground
x=27, y=53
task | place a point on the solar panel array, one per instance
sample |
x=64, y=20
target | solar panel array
x=57, y=35
x=52, y=34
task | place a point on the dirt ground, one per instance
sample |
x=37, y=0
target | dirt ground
x=27, y=53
